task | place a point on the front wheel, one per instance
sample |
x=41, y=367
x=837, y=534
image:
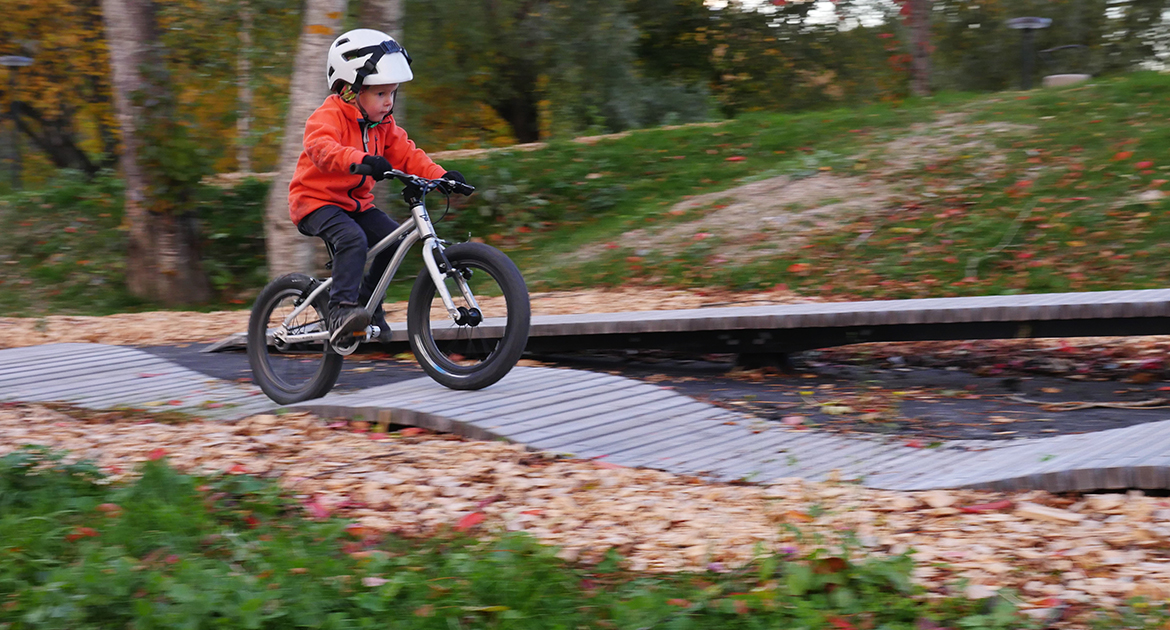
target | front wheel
x=481, y=348
x=291, y=372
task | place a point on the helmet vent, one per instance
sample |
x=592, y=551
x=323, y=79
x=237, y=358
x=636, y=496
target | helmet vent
x=344, y=40
x=330, y=71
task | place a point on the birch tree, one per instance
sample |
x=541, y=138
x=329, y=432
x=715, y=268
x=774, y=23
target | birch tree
x=387, y=16
x=244, y=90
x=160, y=170
x=288, y=250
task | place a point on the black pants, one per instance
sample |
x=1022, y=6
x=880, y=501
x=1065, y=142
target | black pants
x=351, y=234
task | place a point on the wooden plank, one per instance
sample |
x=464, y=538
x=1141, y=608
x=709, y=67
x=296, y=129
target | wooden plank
x=834, y=453
x=656, y=452
x=111, y=390
x=15, y=364
x=500, y=423
x=138, y=395
x=546, y=426
x=670, y=454
x=643, y=412
x=644, y=437
x=497, y=410
x=422, y=389
x=67, y=367
x=617, y=433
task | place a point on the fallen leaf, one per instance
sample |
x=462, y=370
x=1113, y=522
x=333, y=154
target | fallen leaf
x=469, y=521
x=987, y=507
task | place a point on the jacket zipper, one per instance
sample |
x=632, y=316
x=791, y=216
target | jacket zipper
x=365, y=147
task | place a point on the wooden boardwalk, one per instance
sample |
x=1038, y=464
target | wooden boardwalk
x=789, y=328
x=612, y=419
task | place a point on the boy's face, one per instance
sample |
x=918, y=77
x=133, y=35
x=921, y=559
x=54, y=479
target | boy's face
x=376, y=100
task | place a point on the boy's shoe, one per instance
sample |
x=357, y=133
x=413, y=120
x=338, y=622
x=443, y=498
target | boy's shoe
x=347, y=320
x=383, y=335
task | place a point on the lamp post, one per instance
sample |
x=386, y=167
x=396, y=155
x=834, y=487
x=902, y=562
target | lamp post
x=1027, y=24
x=12, y=62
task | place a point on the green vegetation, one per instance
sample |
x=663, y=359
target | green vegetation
x=232, y=551
x=1050, y=190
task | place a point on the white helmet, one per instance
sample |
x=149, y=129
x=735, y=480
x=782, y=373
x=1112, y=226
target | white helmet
x=366, y=57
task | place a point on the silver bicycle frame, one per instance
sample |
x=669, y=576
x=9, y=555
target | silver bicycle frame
x=417, y=228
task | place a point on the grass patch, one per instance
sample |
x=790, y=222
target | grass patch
x=1044, y=191
x=233, y=551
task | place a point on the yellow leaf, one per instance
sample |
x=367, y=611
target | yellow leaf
x=318, y=29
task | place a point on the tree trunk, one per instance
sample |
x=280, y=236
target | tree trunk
x=387, y=16
x=163, y=260
x=287, y=249
x=920, y=46
x=521, y=113
x=244, y=89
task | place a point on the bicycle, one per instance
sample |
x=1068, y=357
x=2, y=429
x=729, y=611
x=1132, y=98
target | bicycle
x=456, y=342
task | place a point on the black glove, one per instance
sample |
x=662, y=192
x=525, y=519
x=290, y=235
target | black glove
x=379, y=164
x=454, y=176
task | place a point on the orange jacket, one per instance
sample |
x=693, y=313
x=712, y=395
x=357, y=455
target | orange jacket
x=333, y=141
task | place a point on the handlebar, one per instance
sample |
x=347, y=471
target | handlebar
x=426, y=185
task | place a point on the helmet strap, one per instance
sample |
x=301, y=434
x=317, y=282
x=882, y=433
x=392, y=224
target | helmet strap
x=376, y=53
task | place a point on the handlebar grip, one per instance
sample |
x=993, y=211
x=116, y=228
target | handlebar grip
x=361, y=169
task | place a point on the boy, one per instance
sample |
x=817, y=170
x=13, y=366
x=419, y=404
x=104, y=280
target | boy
x=354, y=125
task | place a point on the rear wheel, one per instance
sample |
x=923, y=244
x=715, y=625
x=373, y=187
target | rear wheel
x=484, y=344
x=291, y=372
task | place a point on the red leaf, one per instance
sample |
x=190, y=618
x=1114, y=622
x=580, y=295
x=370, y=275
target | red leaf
x=316, y=510
x=841, y=624
x=988, y=507
x=681, y=603
x=1122, y=155
x=238, y=469
x=798, y=267
x=469, y=521
x=252, y=521
x=914, y=443
x=1144, y=164
x=157, y=454
x=82, y=532
x=412, y=431
x=735, y=158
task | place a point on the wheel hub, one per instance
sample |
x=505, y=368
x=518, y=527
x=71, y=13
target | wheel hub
x=469, y=317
